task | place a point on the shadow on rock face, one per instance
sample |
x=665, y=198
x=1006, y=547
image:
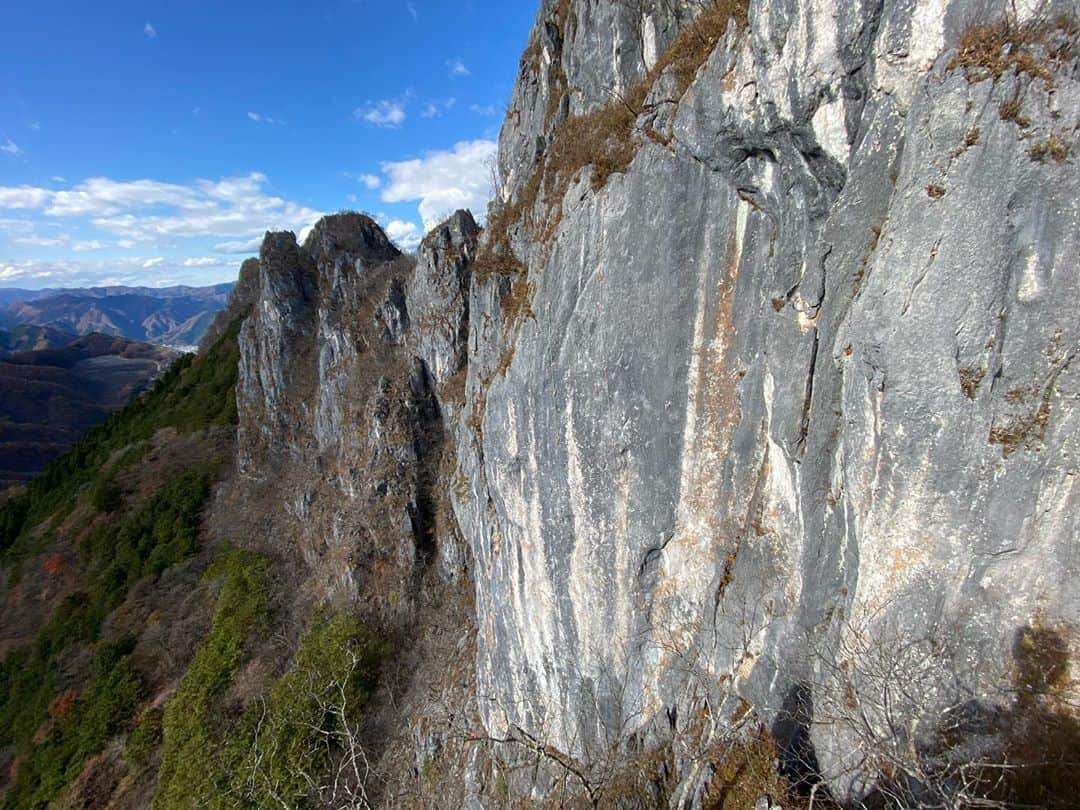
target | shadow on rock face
x=791, y=730
x=1042, y=731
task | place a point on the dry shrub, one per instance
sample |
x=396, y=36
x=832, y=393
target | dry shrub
x=990, y=50
x=54, y=565
x=62, y=703
x=745, y=771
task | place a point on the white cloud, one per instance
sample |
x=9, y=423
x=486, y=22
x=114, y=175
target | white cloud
x=207, y=261
x=443, y=181
x=230, y=207
x=126, y=270
x=433, y=109
x=235, y=248
x=406, y=235
x=457, y=68
x=150, y=31
x=177, y=220
x=259, y=118
x=101, y=196
x=39, y=241
x=486, y=110
x=370, y=180
x=412, y=11
x=23, y=197
x=11, y=148
x=388, y=114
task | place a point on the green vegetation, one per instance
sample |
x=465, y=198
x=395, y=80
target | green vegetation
x=194, y=763
x=196, y=393
x=79, y=727
x=318, y=701
x=159, y=533
x=56, y=710
x=263, y=757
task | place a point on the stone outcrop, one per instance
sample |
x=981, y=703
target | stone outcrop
x=338, y=419
x=766, y=381
x=795, y=386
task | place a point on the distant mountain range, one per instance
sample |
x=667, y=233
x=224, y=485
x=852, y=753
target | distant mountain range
x=64, y=385
x=170, y=316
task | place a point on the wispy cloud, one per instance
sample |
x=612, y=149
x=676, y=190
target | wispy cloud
x=385, y=113
x=434, y=109
x=150, y=31
x=259, y=118
x=205, y=261
x=370, y=180
x=11, y=148
x=90, y=244
x=443, y=181
x=155, y=271
x=239, y=247
x=412, y=11
x=487, y=110
x=39, y=241
x=457, y=68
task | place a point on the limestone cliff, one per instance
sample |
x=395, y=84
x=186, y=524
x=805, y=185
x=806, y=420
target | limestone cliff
x=756, y=397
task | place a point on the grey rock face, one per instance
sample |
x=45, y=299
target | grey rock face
x=338, y=422
x=795, y=388
x=241, y=299
x=437, y=296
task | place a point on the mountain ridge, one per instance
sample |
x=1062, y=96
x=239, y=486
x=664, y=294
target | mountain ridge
x=171, y=315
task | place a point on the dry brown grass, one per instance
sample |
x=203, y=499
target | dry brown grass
x=970, y=379
x=1051, y=148
x=988, y=51
x=603, y=138
x=743, y=772
x=1010, y=110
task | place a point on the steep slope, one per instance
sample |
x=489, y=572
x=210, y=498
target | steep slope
x=32, y=338
x=102, y=599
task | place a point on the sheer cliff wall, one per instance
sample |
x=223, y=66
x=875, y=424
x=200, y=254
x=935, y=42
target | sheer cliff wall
x=762, y=366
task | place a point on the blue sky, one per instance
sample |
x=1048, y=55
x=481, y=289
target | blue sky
x=153, y=142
